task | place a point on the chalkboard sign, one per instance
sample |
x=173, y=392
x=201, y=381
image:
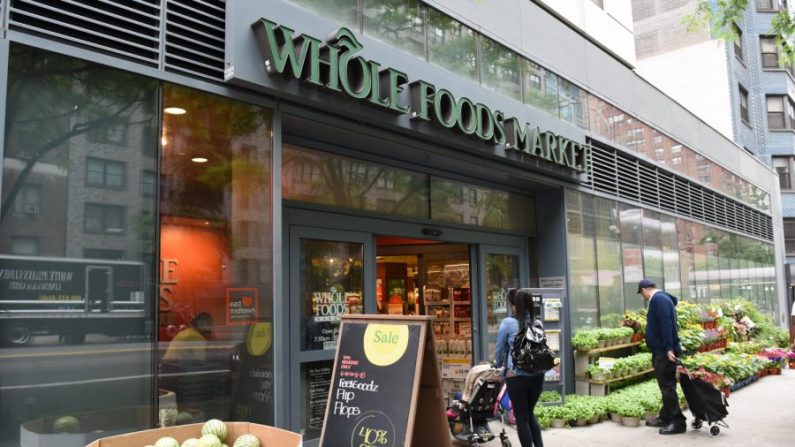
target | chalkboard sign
x=384, y=368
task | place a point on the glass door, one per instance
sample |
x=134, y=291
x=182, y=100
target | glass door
x=330, y=274
x=501, y=269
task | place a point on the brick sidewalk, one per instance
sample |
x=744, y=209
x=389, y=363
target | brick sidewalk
x=760, y=415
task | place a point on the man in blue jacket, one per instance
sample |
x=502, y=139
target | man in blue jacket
x=662, y=338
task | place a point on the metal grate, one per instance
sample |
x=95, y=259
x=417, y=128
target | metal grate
x=195, y=37
x=176, y=35
x=624, y=176
x=129, y=29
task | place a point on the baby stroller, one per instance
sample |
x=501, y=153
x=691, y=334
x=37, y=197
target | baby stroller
x=706, y=403
x=468, y=416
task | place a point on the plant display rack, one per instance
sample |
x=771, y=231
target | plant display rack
x=583, y=359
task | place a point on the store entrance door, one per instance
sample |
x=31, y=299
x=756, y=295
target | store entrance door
x=330, y=273
x=337, y=264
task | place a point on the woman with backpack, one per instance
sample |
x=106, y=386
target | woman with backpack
x=524, y=387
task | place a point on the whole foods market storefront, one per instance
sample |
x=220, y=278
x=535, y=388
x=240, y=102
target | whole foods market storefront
x=205, y=246
x=177, y=250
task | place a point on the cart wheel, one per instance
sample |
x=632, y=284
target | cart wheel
x=696, y=424
x=714, y=431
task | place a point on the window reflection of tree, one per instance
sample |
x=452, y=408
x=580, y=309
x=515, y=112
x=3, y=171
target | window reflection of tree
x=52, y=100
x=348, y=183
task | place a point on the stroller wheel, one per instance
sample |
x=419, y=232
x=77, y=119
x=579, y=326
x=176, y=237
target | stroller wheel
x=506, y=442
x=696, y=424
x=714, y=431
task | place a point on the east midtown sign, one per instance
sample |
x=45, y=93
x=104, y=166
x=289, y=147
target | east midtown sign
x=335, y=66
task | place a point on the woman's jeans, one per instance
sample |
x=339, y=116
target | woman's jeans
x=524, y=392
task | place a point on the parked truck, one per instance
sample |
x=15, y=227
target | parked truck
x=70, y=298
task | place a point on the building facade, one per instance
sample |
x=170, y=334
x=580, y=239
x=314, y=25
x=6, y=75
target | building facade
x=193, y=193
x=740, y=88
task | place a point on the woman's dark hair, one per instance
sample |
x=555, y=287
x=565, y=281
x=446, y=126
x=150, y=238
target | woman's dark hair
x=523, y=301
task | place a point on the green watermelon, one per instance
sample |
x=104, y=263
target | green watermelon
x=66, y=424
x=246, y=441
x=190, y=442
x=215, y=427
x=167, y=441
x=209, y=441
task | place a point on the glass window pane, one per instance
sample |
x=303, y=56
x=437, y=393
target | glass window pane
x=315, y=383
x=215, y=317
x=608, y=256
x=686, y=259
x=670, y=253
x=573, y=104
x=331, y=286
x=399, y=24
x=632, y=254
x=499, y=68
x=451, y=45
x=502, y=273
x=329, y=179
x=104, y=305
x=344, y=12
x=487, y=207
x=652, y=247
x=582, y=260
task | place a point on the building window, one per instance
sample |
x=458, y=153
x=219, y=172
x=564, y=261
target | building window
x=105, y=173
x=775, y=112
x=770, y=5
x=28, y=200
x=782, y=165
x=114, y=133
x=676, y=148
x=676, y=160
x=148, y=183
x=25, y=246
x=769, y=51
x=101, y=218
x=744, y=105
x=738, y=43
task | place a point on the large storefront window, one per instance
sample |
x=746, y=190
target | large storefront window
x=690, y=260
x=582, y=260
x=463, y=203
x=328, y=179
x=632, y=254
x=76, y=251
x=608, y=257
x=215, y=313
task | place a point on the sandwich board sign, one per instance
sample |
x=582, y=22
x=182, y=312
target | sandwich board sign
x=385, y=389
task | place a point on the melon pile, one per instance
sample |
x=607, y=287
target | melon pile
x=214, y=433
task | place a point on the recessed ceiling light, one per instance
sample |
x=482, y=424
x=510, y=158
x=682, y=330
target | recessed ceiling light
x=175, y=110
x=198, y=160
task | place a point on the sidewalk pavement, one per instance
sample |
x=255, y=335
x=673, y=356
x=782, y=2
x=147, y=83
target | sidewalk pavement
x=760, y=415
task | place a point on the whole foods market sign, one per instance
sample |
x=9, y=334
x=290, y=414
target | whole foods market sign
x=335, y=66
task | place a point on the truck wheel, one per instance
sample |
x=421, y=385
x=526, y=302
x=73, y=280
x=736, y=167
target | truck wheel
x=18, y=335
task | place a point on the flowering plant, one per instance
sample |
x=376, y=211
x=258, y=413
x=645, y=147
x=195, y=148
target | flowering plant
x=716, y=380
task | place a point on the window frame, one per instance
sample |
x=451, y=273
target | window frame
x=104, y=217
x=783, y=165
x=738, y=44
x=782, y=112
x=745, y=115
x=105, y=163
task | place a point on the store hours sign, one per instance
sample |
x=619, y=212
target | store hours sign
x=337, y=67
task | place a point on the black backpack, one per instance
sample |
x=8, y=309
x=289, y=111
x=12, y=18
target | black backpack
x=530, y=351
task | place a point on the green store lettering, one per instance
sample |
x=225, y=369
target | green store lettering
x=335, y=66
